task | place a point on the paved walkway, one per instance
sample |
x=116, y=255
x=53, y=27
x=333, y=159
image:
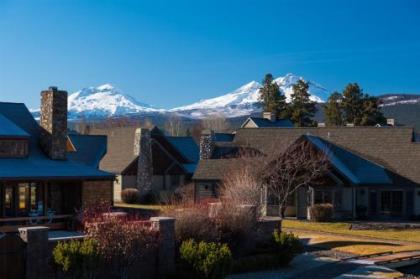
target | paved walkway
x=309, y=266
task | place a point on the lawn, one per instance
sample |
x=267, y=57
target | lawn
x=153, y=207
x=353, y=244
x=412, y=235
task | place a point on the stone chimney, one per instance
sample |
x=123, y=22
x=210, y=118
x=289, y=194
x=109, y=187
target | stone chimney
x=270, y=116
x=143, y=149
x=53, y=123
x=207, y=143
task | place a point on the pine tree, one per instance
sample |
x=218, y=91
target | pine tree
x=361, y=109
x=333, y=110
x=371, y=114
x=352, y=103
x=302, y=109
x=273, y=100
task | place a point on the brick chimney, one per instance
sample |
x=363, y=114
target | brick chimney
x=53, y=138
x=207, y=143
x=143, y=149
x=270, y=116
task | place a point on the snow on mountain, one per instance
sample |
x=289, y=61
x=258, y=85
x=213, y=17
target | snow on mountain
x=399, y=99
x=245, y=99
x=107, y=101
x=104, y=101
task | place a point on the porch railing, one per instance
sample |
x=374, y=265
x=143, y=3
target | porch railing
x=11, y=224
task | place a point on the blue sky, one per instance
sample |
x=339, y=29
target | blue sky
x=171, y=53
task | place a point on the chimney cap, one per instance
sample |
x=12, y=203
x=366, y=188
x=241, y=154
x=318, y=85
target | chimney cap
x=53, y=88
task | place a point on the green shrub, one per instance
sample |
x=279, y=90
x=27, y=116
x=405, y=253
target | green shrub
x=287, y=246
x=80, y=259
x=130, y=195
x=206, y=260
x=321, y=212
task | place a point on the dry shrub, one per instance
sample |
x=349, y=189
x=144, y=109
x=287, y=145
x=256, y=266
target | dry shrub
x=122, y=242
x=321, y=212
x=241, y=187
x=130, y=195
x=192, y=222
x=231, y=224
x=182, y=195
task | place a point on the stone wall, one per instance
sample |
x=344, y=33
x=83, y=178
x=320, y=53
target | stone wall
x=158, y=264
x=13, y=148
x=96, y=191
x=53, y=123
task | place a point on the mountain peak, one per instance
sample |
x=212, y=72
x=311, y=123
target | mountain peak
x=105, y=87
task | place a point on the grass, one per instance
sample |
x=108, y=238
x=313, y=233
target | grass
x=352, y=244
x=412, y=235
x=154, y=207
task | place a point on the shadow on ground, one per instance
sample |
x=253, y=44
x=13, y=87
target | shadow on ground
x=343, y=243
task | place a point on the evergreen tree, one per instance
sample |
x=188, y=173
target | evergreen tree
x=333, y=110
x=302, y=109
x=361, y=109
x=371, y=114
x=273, y=100
x=352, y=103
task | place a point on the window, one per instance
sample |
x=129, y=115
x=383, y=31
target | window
x=323, y=197
x=175, y=180
x=23, y=196
x=8, y=198
x=392, y=201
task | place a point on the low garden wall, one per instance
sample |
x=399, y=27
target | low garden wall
x=157, y=264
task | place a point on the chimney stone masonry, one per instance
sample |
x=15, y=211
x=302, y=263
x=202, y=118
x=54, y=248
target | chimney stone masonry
x=207, y=144
x=143, y=149
x=53, y=138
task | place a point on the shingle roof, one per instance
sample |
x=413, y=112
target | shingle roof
x=37, y=165
x=213, y=169
x=225, y=137
x=121, y=148
x=9, y=129
x=90, y=149
x=186, y=146
x=390, y=147
x=356, y=169
x=265, y=123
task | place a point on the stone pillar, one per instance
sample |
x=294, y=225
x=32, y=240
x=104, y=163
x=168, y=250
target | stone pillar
x=207, y=144
x=53, y=123
x=143, y=149
x=166, y=248
x=37, y=252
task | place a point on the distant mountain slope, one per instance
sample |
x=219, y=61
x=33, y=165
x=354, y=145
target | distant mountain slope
x=245, y=100
x=399, y=99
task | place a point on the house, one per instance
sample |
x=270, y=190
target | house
x=46, y=173
x=375, y=171
x=269, y=120
x=148, y=160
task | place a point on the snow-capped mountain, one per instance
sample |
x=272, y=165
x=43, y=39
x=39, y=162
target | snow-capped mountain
x=107, y=101
x=245, y=99
x=104, y=101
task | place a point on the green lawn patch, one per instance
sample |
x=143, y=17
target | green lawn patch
x=412, y=235
x=154, y=207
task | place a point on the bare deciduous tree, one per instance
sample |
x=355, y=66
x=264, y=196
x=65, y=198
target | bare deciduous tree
x=216, y=123
x=301, y=165
x=173, y=126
